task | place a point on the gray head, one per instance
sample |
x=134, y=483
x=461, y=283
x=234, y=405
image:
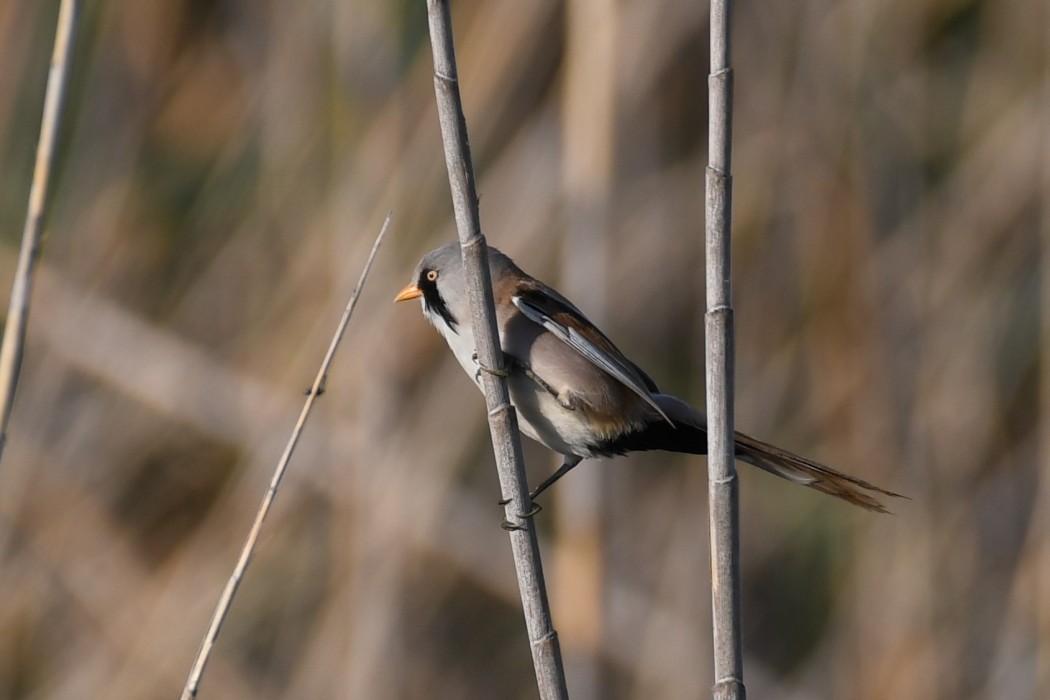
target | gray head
x=439, y=280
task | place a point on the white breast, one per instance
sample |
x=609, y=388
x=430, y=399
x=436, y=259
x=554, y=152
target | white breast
x=461, y=343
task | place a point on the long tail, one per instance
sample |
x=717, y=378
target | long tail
x=800, y=470
x=689, y=434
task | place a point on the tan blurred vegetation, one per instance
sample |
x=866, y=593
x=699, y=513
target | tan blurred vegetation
x=223, y=170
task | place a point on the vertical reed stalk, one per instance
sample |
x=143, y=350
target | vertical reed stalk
x=503, y=424
x=722, y=480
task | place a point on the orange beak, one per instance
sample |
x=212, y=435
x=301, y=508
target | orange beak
x=410, y=291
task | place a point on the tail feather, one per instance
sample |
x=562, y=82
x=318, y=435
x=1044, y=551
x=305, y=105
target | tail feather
x=688, y=433
x=806, y=472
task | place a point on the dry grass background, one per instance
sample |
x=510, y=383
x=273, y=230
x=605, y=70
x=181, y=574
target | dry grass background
x=223, y=170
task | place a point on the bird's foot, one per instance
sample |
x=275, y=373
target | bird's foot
x=569, y=400
x=512, y=527
x=487, y=370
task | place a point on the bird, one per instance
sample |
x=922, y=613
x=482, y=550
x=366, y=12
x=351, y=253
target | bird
x=576, y=392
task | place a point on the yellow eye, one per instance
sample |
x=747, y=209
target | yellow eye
x=432, y=275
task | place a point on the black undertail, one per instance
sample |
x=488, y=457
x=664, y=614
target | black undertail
x=692, y=439
x=658, y=435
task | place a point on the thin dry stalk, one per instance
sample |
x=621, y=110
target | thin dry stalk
x=226, y=600
x=723, y=485
x=18, y=310
x=503, y=424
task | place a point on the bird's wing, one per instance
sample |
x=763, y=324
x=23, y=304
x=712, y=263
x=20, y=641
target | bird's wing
x=555, y=313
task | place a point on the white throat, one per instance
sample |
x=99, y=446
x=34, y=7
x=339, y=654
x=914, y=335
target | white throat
x=461, y=343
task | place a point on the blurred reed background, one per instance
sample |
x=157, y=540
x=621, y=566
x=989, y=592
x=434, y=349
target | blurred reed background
x=223, y=170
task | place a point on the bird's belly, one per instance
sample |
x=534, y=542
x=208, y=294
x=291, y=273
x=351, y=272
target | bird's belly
x=540, y=416
x=543, y=418
x=567, y=431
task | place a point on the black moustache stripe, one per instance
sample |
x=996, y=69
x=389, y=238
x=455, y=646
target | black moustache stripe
x=435, y=304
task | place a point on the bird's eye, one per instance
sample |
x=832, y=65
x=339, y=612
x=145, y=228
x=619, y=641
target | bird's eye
x=432, y=275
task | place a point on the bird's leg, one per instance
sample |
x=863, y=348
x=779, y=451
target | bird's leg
x=527, y=371
x=570, y=462
x=566, y=399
